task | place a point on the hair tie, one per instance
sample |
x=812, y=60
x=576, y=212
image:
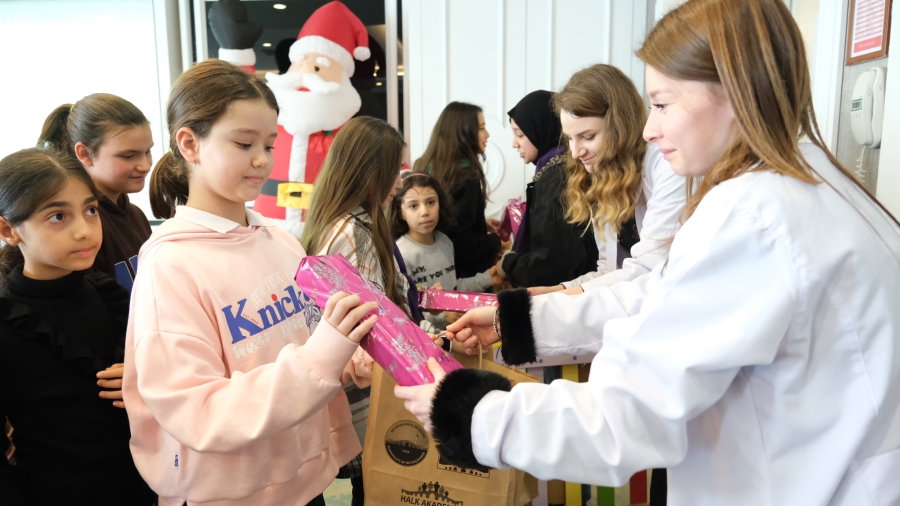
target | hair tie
x=71, y=108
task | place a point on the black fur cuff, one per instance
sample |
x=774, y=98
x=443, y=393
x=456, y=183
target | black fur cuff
x=516, y=332
x=451, y=413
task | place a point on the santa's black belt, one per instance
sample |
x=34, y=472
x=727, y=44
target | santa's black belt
x=271, y=187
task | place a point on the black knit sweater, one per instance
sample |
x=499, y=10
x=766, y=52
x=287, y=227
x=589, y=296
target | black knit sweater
x=71, y=445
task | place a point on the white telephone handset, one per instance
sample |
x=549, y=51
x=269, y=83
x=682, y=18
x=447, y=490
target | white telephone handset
x=867, y=107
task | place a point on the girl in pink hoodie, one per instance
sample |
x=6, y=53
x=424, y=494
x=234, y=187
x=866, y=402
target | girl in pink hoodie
x=232, y=374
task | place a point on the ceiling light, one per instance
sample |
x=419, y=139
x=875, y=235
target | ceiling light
x=280, y=6
x=267, y=44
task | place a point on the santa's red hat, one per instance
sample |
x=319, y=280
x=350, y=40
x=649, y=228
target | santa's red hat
x=333, y=30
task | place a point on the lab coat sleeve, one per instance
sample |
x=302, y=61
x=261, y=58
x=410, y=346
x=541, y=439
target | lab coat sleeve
x=725, y=302
x=566, y=324
x=661, y=221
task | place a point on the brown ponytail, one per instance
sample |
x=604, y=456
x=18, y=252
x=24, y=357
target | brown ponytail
x=168, y=185
x=55, y=132
x=88, y=121
x=199, y=98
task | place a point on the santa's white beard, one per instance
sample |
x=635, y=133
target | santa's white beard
x=308, y=112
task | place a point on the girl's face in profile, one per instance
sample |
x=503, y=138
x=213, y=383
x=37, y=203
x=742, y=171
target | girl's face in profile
x=483, y=134
x=398, y=183
x=585, y=137
x=521, y=143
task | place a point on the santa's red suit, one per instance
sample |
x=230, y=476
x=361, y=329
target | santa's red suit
x=316, y=148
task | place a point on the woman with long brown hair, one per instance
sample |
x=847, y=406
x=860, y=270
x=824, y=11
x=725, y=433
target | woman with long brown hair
x=617, y=181
x=358, y=182
x=761, y=365
x=453, y=157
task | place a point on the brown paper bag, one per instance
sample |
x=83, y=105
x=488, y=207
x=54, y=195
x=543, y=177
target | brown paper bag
x=401, y=464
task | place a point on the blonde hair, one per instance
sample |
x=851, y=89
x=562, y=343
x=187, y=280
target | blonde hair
x=359, y=171
x=609, y=195
x=755, y=51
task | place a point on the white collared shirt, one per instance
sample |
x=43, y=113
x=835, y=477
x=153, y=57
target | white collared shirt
x=218, y=223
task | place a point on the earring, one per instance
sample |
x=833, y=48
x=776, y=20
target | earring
x=195, y=161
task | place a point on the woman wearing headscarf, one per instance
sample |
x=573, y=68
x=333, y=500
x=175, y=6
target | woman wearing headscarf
x=548, y=250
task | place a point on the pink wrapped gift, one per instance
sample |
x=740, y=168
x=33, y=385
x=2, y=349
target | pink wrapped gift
x=452, y=300
x=395, y=343
x=512, y=218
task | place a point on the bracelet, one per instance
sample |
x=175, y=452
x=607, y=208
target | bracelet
x=496, y=329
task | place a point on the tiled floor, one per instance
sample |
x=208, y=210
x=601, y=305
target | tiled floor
x=338, y=493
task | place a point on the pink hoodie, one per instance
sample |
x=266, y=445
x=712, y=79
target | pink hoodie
x=231, y=400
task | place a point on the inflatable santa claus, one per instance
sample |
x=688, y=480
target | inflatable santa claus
x=315, y=97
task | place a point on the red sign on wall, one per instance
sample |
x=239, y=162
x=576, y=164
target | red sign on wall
x=869, y=29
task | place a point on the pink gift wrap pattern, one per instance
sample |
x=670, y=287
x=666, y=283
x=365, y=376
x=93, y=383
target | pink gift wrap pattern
x=512, y=218
x=452, y=300
x=398, y=345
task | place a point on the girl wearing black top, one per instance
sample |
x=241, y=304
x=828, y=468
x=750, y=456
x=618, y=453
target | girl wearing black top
x=453, y=157
x=111, y=138
x=58, y=329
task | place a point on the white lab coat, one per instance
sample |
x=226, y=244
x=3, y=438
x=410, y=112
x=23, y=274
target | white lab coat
x=657, y=214
x=761, y=366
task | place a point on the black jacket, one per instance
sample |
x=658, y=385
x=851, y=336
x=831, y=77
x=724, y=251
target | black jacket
x=71, y=445
x=475, y=250
x=125, y=230
x=553, y=251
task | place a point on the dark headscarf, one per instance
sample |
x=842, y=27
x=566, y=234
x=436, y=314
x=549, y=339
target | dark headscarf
x=535, y=117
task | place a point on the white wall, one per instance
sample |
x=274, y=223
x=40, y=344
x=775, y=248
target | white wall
x=57, y=51
x=888, y=186
x=493, y=52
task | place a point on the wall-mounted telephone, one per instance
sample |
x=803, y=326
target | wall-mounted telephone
x=867, y=107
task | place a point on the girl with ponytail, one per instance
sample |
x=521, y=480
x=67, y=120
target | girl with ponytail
x=232, y=374
x=60, y=329
x=760, y=364
x=112, y=140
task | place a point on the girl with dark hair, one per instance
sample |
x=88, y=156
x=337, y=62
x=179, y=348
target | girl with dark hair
x=453, y=157
x=760, y=364
x=232, y=374
x=421, y=212
x=58, y=328
x=112, y=140
x=548, y=250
